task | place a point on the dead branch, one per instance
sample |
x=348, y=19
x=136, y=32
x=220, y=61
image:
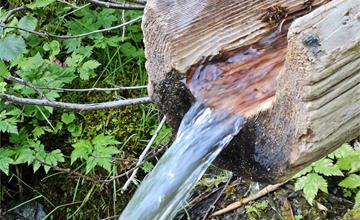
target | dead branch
x=10, y=13
x=75, y=106
x=117, y=88
x=64, y=37
x=261, y=193
x=140, y=2
x=116, y=5
x=143, y=154
x=38, y=89
x=27, y=84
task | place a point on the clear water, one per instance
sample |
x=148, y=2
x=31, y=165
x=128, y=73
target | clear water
x=203, y=133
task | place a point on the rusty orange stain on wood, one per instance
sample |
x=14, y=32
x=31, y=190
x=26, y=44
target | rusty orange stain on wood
x=242, y=80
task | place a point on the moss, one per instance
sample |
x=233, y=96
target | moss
x=352, y=214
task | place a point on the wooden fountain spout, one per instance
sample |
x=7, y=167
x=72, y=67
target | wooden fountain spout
x=299, y=90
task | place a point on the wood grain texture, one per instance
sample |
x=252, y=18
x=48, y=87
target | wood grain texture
x=316, y=106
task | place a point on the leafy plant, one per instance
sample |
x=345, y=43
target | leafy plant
x=97, y=152
x=345, y=161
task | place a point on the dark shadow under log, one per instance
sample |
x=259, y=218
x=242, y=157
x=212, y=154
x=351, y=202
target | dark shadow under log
x=300, y=109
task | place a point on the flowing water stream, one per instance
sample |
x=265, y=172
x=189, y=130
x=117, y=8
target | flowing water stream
x=203, y=133
x=227, y=91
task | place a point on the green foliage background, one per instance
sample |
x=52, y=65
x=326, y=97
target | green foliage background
x=98, y=144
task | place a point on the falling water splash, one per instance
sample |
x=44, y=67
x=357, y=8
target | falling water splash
x=203, y=133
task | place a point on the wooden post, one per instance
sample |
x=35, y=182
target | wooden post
x=316, y=104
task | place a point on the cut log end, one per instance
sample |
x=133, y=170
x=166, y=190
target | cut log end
x=300, y=95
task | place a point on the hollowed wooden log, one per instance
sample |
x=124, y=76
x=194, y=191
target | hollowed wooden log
x=301, y=103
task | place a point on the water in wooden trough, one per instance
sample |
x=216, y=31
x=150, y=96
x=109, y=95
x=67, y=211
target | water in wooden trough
x=227, y=92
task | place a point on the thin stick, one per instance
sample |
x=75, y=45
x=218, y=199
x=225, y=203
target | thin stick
x=75, y=106
x=143, y=154
x=261, y=193
x=38, y=89
x=27, y=84
x=10, y=13
x=117, y=88
x=64, y=37
x=116, y=5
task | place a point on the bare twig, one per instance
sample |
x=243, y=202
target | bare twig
x=116, y=5
x=140, y=2
x=10, y=13
x=143, y=154
x=38, y=89
x=27, y=84
x=117, y=88
x=261, y=193
x=64, y=37
x=75, y=106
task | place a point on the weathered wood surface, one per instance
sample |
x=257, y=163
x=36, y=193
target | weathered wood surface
x=316, y=107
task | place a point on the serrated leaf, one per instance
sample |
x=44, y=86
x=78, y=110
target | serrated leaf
x=351, y=163
x=87, y=68
x=8, y=125
x=53, y=158
x=311, y=184
x=5, y=159
x=40, y=4
x=90, y=164
x=304, y=171
x=147, y=166
x=24, y=155
x=82, y=149
x=11, y=47
x=38, y=132
x=352, y=181
x=326, y=167
x=102, y=140
x=3, y=87
x=357, y=199
x=3, y=69
x=67, y=118
x=28, y=23
x=343, y=151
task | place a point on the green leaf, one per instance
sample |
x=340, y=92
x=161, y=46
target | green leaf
x=147, y=166
x=3, y=69
x=40, y=4
x=53, y=158
x=102, y=140
x=38, y=132
x=75, y=129
x=351, y=163
x=24, y=155
x=67, y=118
x=87, y=69
x=90, y=164
x=5, y=159
x=82, y=149
x=8, y=125
x=11, y=47
x=3, y=87
x=357, y=199
x=352, y=181
x=343, y=151
x=53, y=47
x=28, y=23
x=310, y=184
x=326, y=167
